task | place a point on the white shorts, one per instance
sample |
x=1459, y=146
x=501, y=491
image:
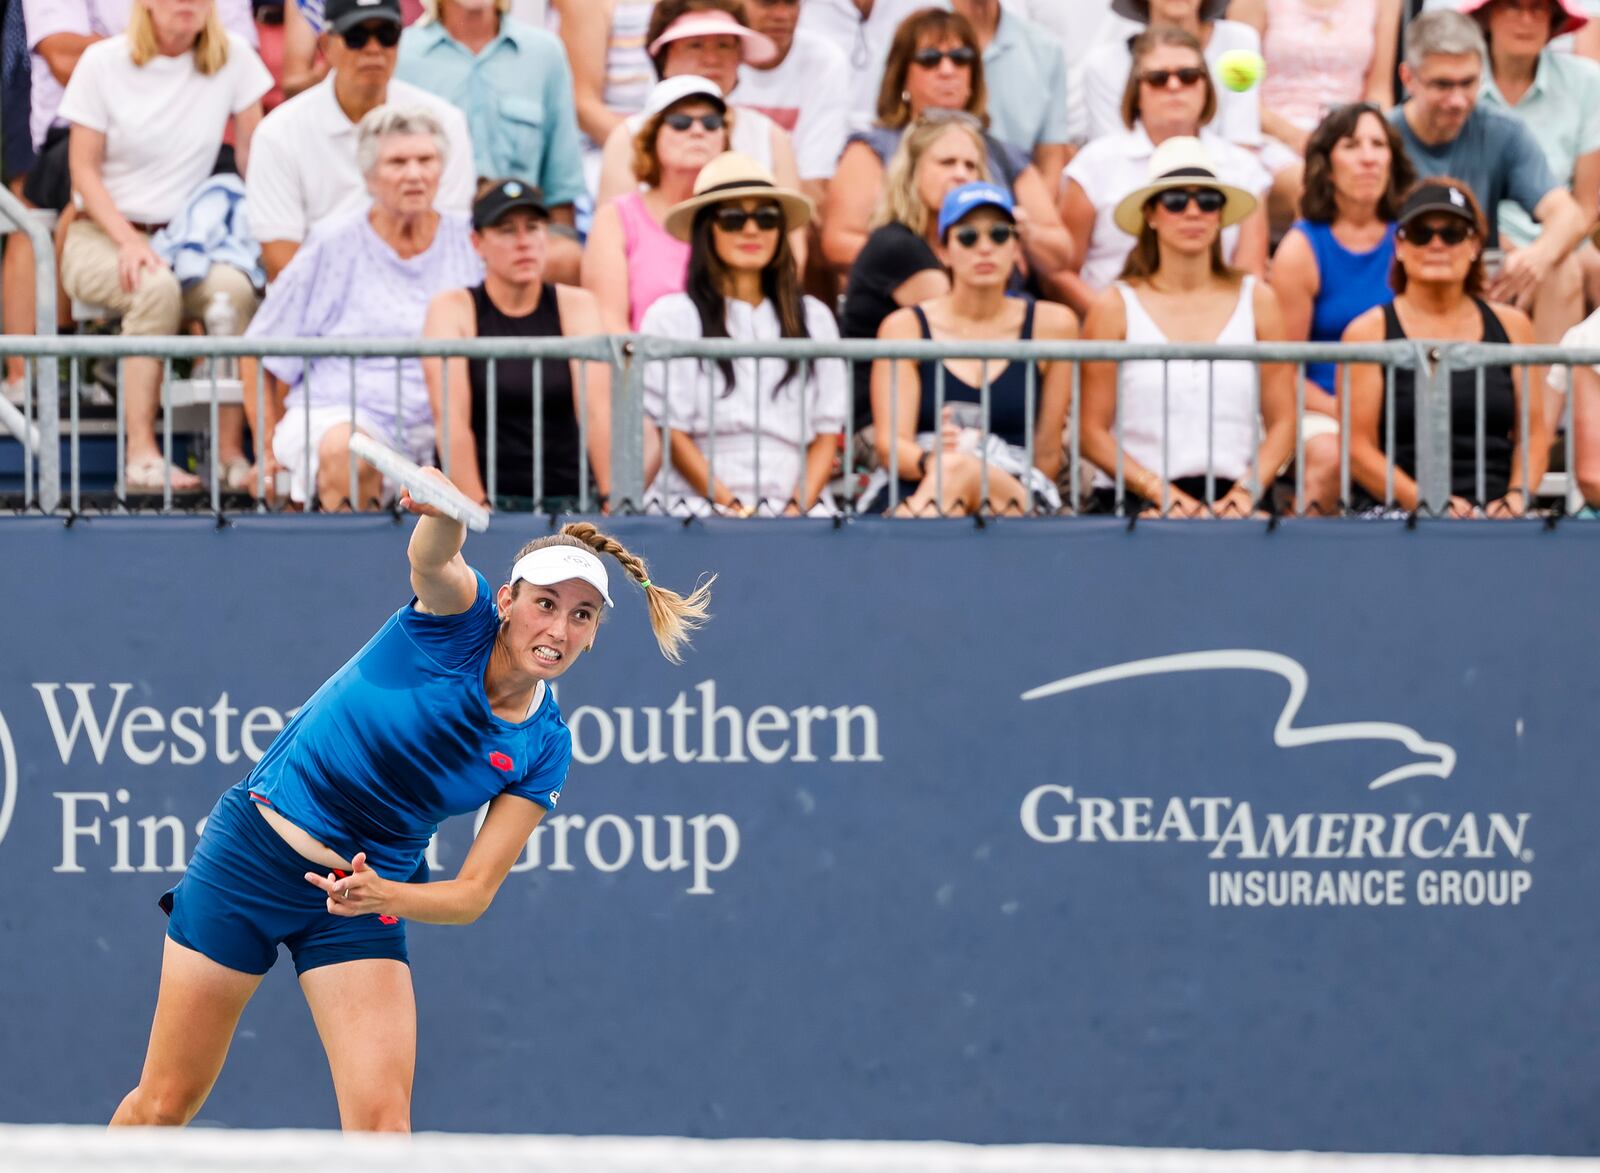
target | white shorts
x=289, y=442
x=1316, y=423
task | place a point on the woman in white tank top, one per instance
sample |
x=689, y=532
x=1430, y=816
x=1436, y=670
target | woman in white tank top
x=1190, y=436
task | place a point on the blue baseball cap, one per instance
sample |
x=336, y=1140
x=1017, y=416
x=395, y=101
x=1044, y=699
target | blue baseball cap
x=968, y=198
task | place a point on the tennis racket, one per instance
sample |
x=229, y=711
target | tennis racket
x=424, y=489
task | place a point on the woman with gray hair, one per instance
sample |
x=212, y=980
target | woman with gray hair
x=372, y=275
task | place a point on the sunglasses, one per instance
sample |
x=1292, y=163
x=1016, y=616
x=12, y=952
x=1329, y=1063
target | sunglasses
x=930, y=58
x=1423, y=234
x=1189, y=75
x=767, y=218
x=1176, y=199
x=386, y=34
x=681, y=122
x=998, y=233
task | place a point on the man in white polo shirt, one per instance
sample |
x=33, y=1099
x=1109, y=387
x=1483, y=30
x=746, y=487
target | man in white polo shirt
x=303, y=158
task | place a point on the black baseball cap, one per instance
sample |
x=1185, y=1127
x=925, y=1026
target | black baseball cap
x=343, y=15
x=1429, y=197
x=504, y=197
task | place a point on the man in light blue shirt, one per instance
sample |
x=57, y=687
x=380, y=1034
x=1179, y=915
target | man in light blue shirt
x=514, y=85
x=1447, y=132
x=1025, y=74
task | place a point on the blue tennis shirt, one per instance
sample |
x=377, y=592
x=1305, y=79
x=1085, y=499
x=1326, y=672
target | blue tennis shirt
x=402, y=737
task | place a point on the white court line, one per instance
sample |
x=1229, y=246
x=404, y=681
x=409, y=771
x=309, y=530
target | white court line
x=58, y=1148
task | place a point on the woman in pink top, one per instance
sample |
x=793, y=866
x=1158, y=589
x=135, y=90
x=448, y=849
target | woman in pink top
x=631, y=260
x=1320, y=54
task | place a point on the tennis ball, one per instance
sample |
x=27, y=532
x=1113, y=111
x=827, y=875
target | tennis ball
x=1241, y=69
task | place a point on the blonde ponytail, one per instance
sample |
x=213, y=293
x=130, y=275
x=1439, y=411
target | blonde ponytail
x=673, y=617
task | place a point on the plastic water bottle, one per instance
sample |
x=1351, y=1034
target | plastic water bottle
x=223, y=322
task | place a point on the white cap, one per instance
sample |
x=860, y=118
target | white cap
x=549, y=565
x=666, y=94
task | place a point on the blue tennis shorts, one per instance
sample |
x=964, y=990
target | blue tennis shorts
x=246, y=892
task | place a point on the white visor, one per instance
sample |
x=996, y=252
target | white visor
x=549, y=565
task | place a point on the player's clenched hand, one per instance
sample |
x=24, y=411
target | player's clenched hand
x=362, y=892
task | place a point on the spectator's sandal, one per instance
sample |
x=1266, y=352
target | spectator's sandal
x=147, y=478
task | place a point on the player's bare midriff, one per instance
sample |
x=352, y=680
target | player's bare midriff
x=300, y=839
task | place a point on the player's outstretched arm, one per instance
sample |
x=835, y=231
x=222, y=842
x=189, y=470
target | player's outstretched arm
x=443, y=582
x=505, y=831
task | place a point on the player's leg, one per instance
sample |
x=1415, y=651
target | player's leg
x=366, y=1014
x=196, y=1013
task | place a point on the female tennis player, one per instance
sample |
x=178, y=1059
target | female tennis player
x=445, y=709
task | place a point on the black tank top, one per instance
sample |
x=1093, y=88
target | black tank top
x=1008, y=392
x=1499, y=417
x=514, y=404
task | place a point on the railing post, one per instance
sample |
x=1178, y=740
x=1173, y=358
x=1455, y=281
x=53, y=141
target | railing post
x=1433, y=430
x=47, y=395
x=627, y=425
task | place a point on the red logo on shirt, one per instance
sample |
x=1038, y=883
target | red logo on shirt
x=500, y=761
x=384, y=919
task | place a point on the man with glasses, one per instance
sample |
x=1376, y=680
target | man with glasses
x=1447, y=133
x=303, y=167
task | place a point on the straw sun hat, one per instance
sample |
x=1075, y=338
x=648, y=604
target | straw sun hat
x=1182, y=162
x=732, y=176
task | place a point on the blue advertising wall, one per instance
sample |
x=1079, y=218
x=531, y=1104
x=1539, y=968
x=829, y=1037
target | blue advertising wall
x=1199, y=835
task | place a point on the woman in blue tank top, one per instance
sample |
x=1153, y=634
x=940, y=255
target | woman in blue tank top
x=445, y=710
x=1333, y=264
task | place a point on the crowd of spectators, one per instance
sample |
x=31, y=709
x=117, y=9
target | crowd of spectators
x=957, y=170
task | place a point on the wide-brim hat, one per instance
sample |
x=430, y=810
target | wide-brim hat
x=1574, y=17
x=1182, y=162
x=732, y=176
x=1139, y=10
x=754, y=48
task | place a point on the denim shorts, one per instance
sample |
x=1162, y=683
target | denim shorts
x=245, y=893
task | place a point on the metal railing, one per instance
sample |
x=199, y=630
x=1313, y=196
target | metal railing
x=40, y=405
x=629, y=358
